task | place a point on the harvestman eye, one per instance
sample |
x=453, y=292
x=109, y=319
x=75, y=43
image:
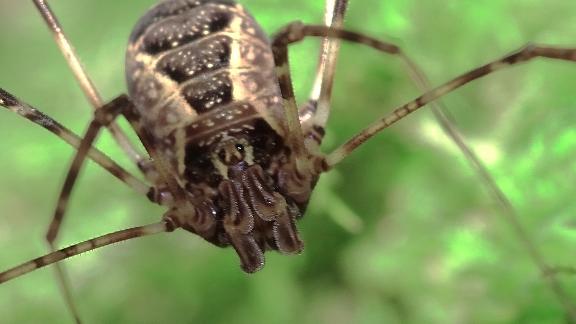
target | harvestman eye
x=203, y=80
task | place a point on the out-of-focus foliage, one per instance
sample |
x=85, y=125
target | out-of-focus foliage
x=431, y=246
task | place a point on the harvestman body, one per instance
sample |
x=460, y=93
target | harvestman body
x=210, y=97
x=201, y=75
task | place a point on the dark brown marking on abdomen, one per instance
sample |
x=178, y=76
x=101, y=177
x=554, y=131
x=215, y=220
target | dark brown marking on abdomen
x=210, y=92
x=198, y=71
x=233, y=117
x=196, y=59
x=172, y=9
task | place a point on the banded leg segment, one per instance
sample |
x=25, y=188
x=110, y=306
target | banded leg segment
x=295, y=32
x=525, y=54
x=83, y=79
x=84, y=149
x=317, y=110
x=161, y=227
x=23, y=109
x=314, y=115
x=54, y=227
x=103, y=117
x=295, y=136
x=314, y=121
x=10, y=102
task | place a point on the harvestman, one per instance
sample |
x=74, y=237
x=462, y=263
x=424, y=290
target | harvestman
x=239, y=175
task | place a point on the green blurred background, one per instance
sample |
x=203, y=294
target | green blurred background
x=401, y=232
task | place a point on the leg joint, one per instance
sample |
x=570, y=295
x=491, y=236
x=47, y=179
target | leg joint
x=107, y=113
x=291, y=33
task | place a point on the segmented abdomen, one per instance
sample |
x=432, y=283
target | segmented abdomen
x=199, y=69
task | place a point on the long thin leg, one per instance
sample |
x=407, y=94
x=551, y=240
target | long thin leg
x=64, y=286
x=82, y=77
x=103, y=117
x=525, y=54
x=12, y=103
x=317, y=109
x=295, y=136
x=296, y=32
x=23, y=109
x=161, y=227
x=292, y=33
x=314, y=114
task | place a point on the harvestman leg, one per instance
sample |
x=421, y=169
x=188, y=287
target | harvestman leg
x=296, y=32
x=314, y=114
x=103, y=117
x=85, y=82
x=318, y=106
x=140, y=231
x=95, y=99
x=317, y=109
x=314, y=120
x=525, y=54
x=168, y=224
x=84, y=149
x=23, y=109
